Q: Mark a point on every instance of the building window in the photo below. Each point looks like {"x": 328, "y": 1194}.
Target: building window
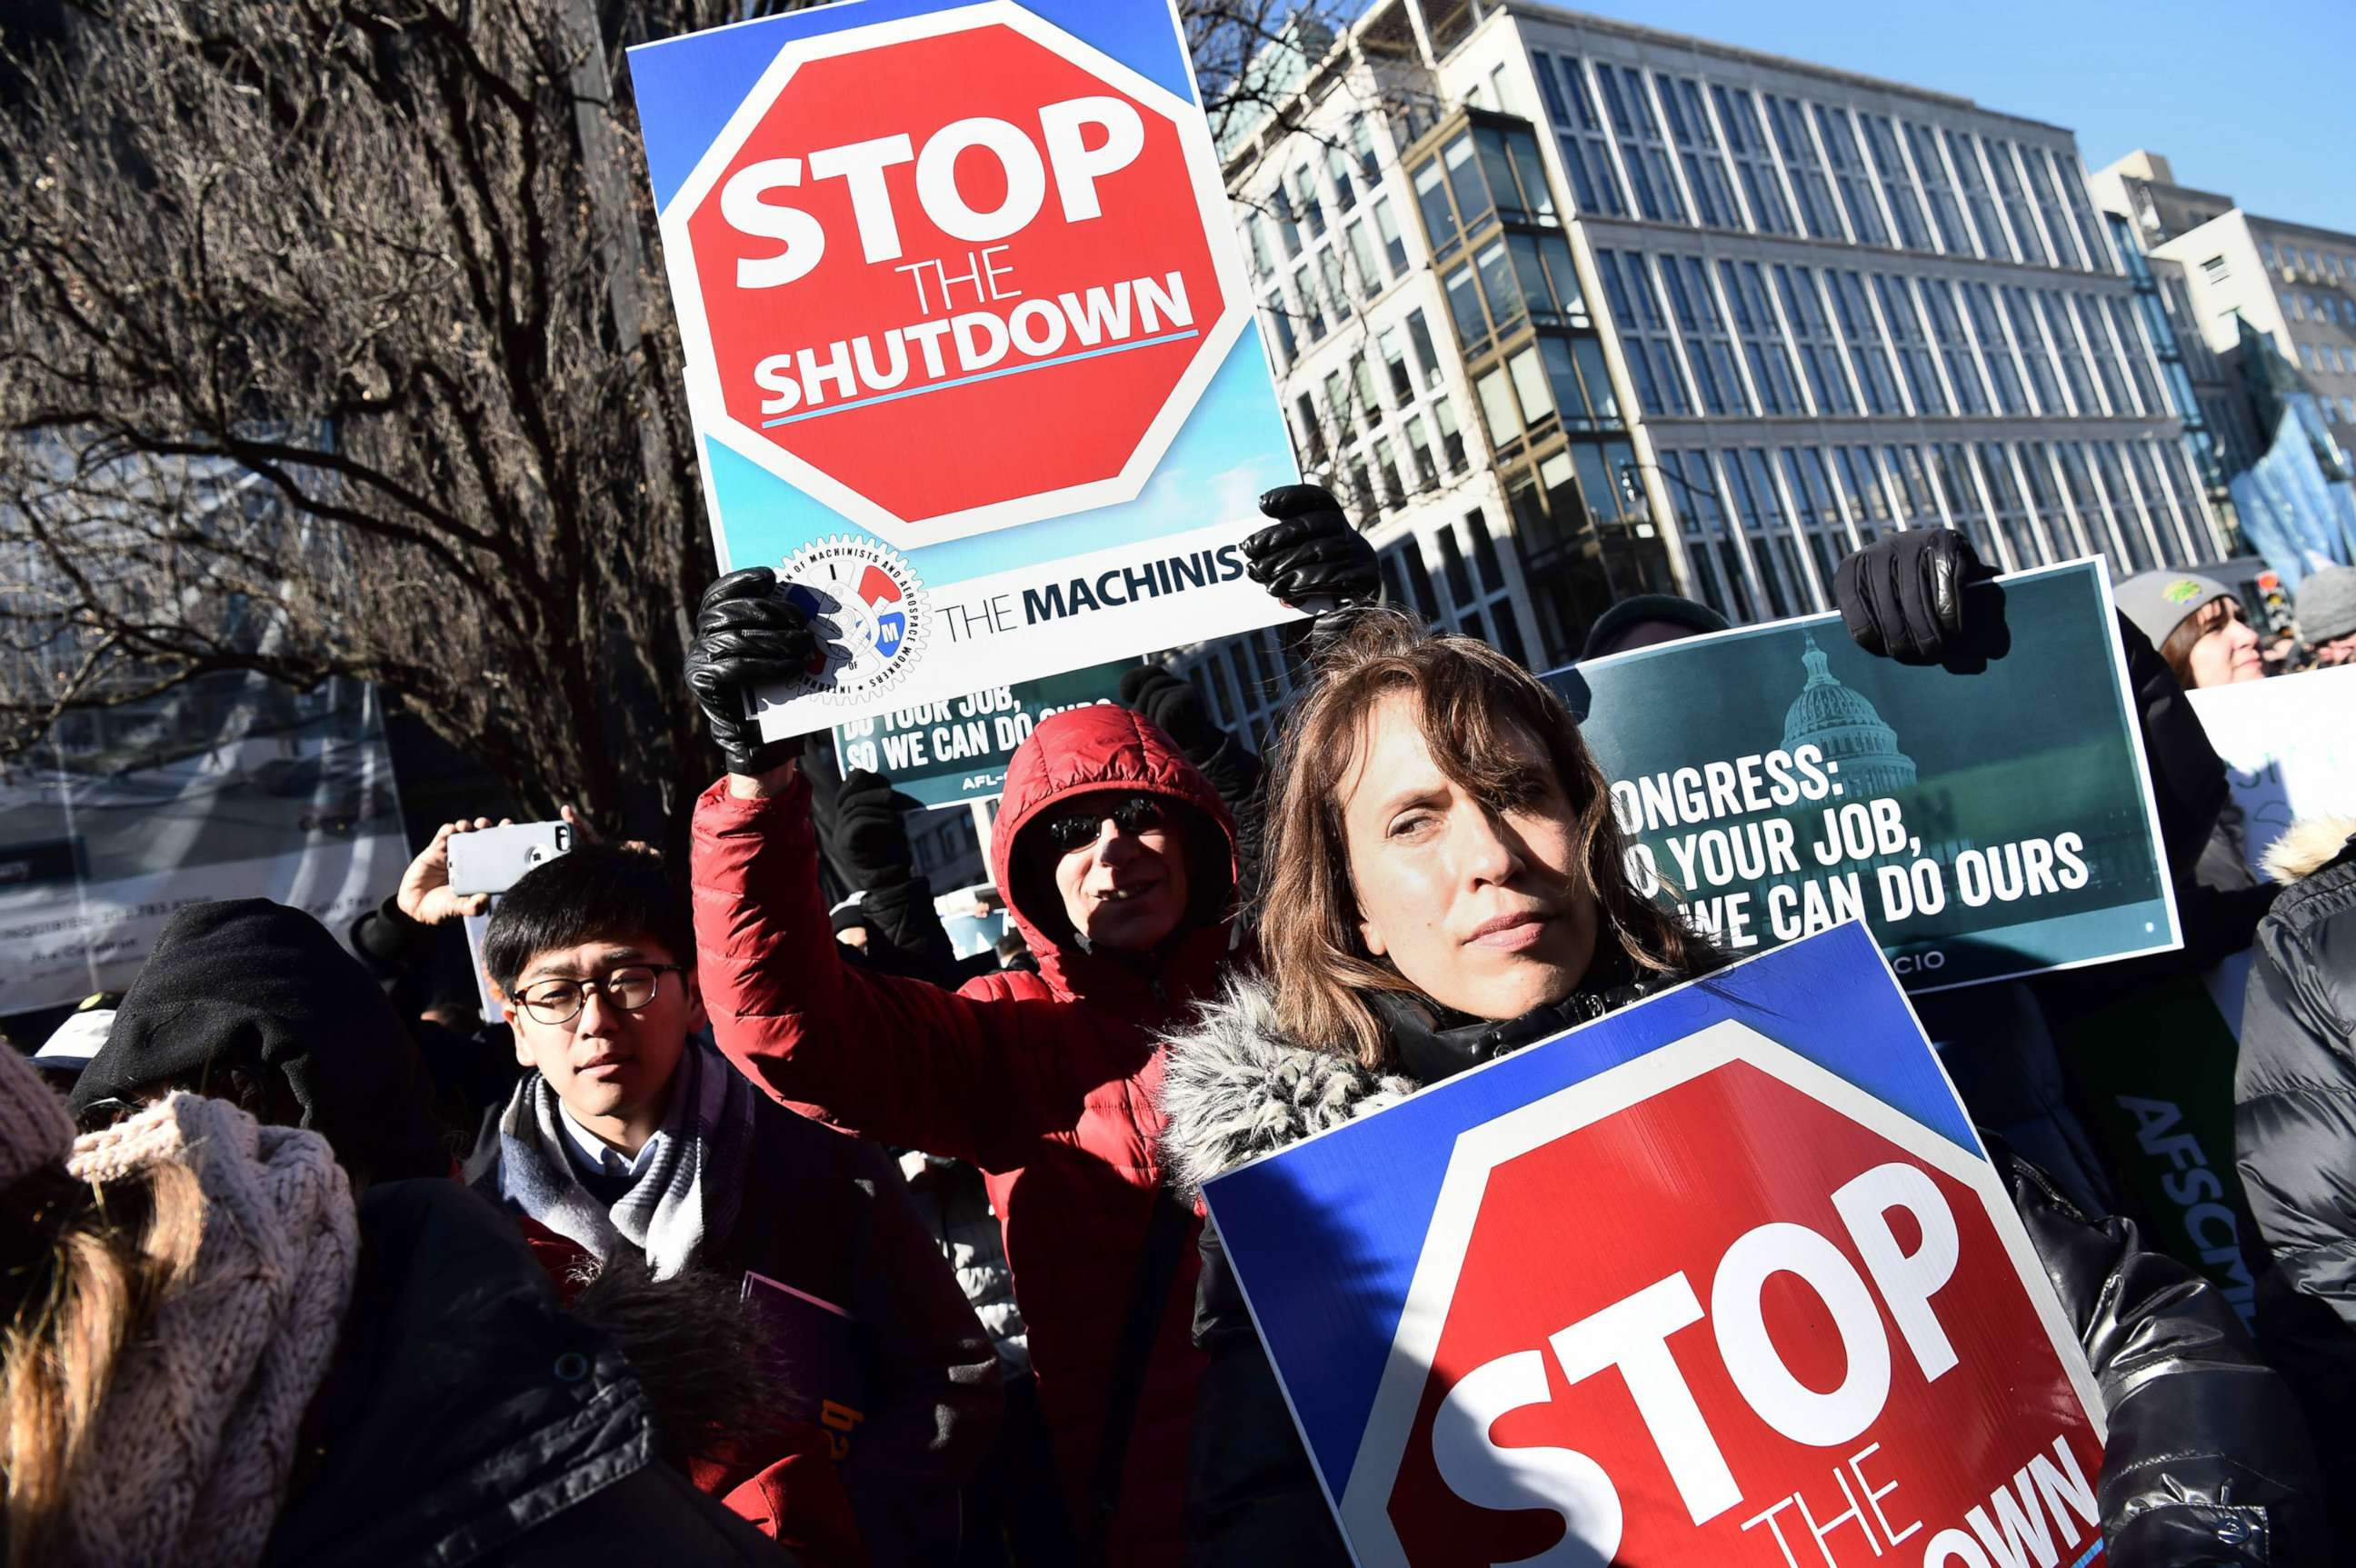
{"x": 1452, "y": 438}
{"x": 1737, "y": 112}
{"x": 1549, "y": 282}
{"x": 1288, "y": 227}
{"x": 1337, "y": 402}
{"x": 1337, "y": 169}
{"x": 1362, "y": 143}
{"x": 1718, "y": 574}
{"x": 1697, "y": 150}
{"x": 1419, "y": 451}
{"x": 1362, "y": 380}
{"x": 1820, "y": 520}
{"x": 2003, "y": 365}
{"x": 1869, "y": 512}
{"x": 2016, "y": 205}
{"x": 1387, "y": 469}
{"x": 2036, "y": 349}
{"x": 1964, "y": 154}
{"x": 1812, "y": 335}
{"x": 1896, "y": 188}
{"x": 1387, "y": 226}
{"x": 1913, "y": 346}
{"x": 1568, "y": 361}
{"x": 1280, "y": 326}
{"x": 1419, "y": 336}
{"x": 1256, "y": 239}
{"x": 1498, "y": 408}
{"x": 2071, "y": 178}
{"x": 2062, "y": 333}
{"x": 1464, "y": 307}
{"x": 1431, "y": 199}
{"x": 2037, "y": 162}
{"x": 1371, "y": 277}
{"x": 1527, "y": 371}
{"x": 1840, "y": 148}
{"x": 1760, "y": 515}
{"x": 2107, "y": 355}
{"x": 1642, "y": 149}
{"x": 1305, "y": 205}
{"x": 1645, "y": 339}
{"x": 1853, "y": 310}
{"x": 1312, "y": 431}
{"x": 1393, "y": 345}
{"x": 1945, "y": 214}
{"x": 1762, "y": 339}
{"x": 1798, "y": 150}
{"x": 1337, "y": 288}
{"x": 1580, "y": 135}
{"x": 1313, "y": 310}
{"x": 2138, "y": 357}
{"x": 1708, "y": 347}
{"x": 1947, "y": 333}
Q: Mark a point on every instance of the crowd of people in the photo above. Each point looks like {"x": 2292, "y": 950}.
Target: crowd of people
{"x": 759, "y": 1227}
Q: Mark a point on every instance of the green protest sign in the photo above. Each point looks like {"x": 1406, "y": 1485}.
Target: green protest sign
{"x": 1775, "y": 781}
{"x": 949, "y": 752}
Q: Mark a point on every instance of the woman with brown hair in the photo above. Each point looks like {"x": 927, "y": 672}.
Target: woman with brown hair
{"x": 1446, "y": 883}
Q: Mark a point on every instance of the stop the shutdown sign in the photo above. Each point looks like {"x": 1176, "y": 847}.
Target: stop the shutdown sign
{"x": 1679, "y": 1290}
{"x": 899, "y": 219}
{"x": 968, "y": 347}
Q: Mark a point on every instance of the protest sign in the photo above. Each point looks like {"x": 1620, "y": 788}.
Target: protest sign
{"x": 1700, "y": 1283}
{"x": 1776, "y": 779}
{"x": 229, "y": 787}
{"x": 954, "y": 751}
{"x": 2289, "y": 745}
{"x": 969, "y": 347}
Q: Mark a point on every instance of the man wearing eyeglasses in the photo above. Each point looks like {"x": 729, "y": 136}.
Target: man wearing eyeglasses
{"x": 1118, "y": 862}
{"x": 629, "y": 1135}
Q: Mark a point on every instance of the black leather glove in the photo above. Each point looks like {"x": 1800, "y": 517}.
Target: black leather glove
{"x": 1903, "y": 597}
{"x": 1311, "y": 557}
{"x": 1176, "y": 707}
{"x": 747, "y": 636}
{"x": 871, "y": 840}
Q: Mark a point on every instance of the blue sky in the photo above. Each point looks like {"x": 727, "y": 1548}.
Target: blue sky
{"x": 2256, "y": 98}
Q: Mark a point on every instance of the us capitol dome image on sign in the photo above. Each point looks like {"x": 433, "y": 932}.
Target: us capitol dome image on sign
{"x": 1842, "y": 724}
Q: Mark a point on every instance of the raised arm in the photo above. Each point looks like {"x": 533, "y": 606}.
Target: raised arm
{"x": 897, "y": 1060}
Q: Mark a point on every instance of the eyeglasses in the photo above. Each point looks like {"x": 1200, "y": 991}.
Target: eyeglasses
{"x": 1078, "y": 827}
{"x": 631, "y": 988}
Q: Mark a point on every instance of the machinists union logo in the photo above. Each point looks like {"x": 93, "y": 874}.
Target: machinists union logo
{"x": 869, "y": 612}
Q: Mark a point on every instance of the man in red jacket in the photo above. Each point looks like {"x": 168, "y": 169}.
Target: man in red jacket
{"x": 1118, "y": 861}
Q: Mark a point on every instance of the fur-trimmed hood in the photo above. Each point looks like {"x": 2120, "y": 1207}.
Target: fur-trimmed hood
{"x": 1237, "y": 1089}
{"x": 2308, "y": 846}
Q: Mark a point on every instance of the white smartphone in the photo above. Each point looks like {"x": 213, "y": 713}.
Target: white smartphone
{"x": 491, "y": 860}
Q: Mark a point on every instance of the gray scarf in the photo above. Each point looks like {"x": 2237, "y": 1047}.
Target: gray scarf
{"x": 688, "y": 1190}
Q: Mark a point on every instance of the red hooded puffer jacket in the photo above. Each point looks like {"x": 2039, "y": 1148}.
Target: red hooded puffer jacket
{"x": 1049, "y": 1083}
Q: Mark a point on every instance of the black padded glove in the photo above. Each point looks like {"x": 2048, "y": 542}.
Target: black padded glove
{"x": 1903, "y": 597}
{"x": 1176, "y": 707}
{"x": 870, "y": 839}
{"x": 1311, "y": 557}
{"x": 747, "y": 636}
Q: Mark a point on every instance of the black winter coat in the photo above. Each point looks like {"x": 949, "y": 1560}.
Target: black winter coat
{"x": 2207, "y": 1463}
{"x": 469, "y": 1419}
{"x": 2295, "y": 1134}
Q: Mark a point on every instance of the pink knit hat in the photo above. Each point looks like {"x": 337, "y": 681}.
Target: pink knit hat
{"x": 35, "y": 1128}
{"x": 195, "y": 1444}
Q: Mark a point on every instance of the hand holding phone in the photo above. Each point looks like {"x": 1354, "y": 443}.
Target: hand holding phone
{"x": 492, "y": 860}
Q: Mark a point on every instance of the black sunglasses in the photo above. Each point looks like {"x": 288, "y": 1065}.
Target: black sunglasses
{"x": 1076, "y": 827}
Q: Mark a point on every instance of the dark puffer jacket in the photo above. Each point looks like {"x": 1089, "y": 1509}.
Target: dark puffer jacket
{"x": 2295, "y": 1133}
{"x": 467, "y": 1419}
{"x": 1047, "y": 1083}
{"x": 2206, "y": 1465}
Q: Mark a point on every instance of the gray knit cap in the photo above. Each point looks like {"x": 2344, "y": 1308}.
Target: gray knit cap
{"x": 2327, "y": 605}
{"x": 35, "y": 1128}
{"x": 2157, "y": 602}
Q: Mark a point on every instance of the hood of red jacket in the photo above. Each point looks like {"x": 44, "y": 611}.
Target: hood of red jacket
{"x": 1076, "y": 752}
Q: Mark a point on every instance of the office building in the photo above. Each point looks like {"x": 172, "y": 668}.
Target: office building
{"x": 2291, "y": 283}
{"x": 1572, "y": 309}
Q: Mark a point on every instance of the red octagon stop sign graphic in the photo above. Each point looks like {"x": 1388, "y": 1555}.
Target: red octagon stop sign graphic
{"x": 955, "y": 273}
{"x": 1825, "y": 1356}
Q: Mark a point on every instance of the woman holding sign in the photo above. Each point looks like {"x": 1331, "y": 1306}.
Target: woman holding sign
{"x": 1445, "y": 886}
